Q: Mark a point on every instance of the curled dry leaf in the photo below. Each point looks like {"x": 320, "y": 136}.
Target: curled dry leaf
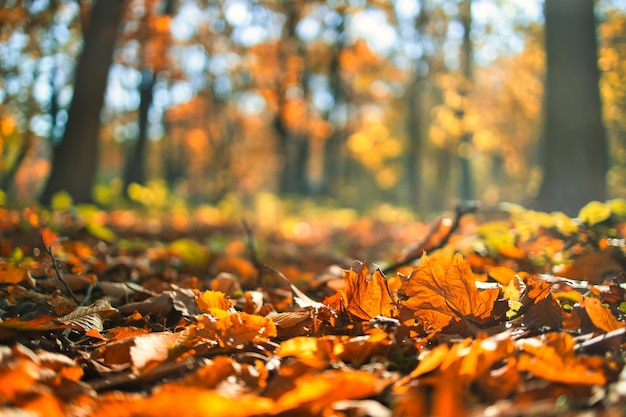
{"x": 182, "y": 401}
{"x": 137, "y": 351}
{"x": 368, "y": 296}
{"x": 208, "y": 300}
{"x": 438, "y": 297}
{"x": 90, "y": 317}
{"x": 601, "y": 316}
{"x": 312, "y": 393}
{"x": 557, "y": 362}
{"x": 11, "y": 273}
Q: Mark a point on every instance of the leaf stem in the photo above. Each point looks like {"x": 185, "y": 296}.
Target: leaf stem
{"x": 461, "y": 210}
{"x": 57, "y": 272}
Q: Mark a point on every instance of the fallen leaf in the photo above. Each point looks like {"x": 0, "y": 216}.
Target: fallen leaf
{"x": 600, "y": 315}
{"x": 314, "y": 392}
{"x": 88, "y": 318}
{"x": 438, "y": 297}
{"x": 368, "y": 296}
{"x": 11, "y": 273}
{"x": 557, "y": 362}
{"x": 212, "y": 299}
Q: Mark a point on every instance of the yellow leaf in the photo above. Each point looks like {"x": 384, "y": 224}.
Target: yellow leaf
{"x": 594, "y": 212}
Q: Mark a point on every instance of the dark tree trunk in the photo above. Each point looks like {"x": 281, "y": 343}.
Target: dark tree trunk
{"x": 293, "y": 146}
{"x": 466, "y": 191}
{"x": 75, "y": 159}
{"x": 415, "y": 143}
{"x": 134, "y": 169}
{"x": 415, "y": 124}
{"x": 334, "y": 155}
{"x": 574, "y": 143}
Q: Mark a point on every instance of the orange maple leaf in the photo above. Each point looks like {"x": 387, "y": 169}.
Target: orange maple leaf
{"x": 368, "y": 296}
{"x": 600, "y": 316}
{"x": 555, "y": 361}
{"x": 11, "y": 274}
{"x": 438, "y": 297}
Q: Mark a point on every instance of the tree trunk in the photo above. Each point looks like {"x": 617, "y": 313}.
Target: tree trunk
{"x": 134, "y": 169}
{"x": 466, "y": 191}
{"x": 574, "y": 142}
{"x": 75, "y": 159}
{"x": 334, "y": 155}
{"x": 293, "y": 146}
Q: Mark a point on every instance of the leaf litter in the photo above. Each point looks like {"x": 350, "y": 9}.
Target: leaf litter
{"x": 522, "y": 315}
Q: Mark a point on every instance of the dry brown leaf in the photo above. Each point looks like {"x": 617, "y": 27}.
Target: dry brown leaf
{"x": 314, "y": 392}
{"x": 182, "y": 401}
{"x": 592, "y": 267}
{"x": 212, "y": 299}
{"x": 138, "y": 351}
{"x": 368, "y": 296}
{"x": 556, "y": 361}
{"x": 600, "y": 315}
{"x": 502, "y": 274}
{"x": 11, "y": 273}
{"x": 438, "y": 297}
{"x": 90, "y": 317}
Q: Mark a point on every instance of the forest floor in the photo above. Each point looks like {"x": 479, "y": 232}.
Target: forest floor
{"x": 196, "y": 312}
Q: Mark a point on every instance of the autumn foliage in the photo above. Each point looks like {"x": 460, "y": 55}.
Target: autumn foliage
{"x": 518, "y": 315}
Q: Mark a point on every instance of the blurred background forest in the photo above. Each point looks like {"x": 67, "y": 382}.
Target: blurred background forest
{"x": 416, "y": 103}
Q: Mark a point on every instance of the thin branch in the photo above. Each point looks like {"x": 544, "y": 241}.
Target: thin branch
{"x": 57, "y": 271}
{"x": 251, "y": 247}
{"x": 461, "y": 210}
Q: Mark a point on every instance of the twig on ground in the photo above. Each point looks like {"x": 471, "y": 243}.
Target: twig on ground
{"x": 251, "y": 247}
{"x": 57, "y": 272}
{"x": 461, "y": 210}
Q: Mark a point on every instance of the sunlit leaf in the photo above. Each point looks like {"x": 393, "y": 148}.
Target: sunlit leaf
{"x": 601, "y": 316}
{"x": 191, "y": 252}
{"x": 61, "y": 201}
{"x": 438, "y": 297}
{"x": 184, "y": 401}
{"x": 212, "y": 299}
{"x": 90, "y": 317}
{"x": 368, "y": 296}
{"x": 501, "y": 274}
{"x": 316, "y": 391}
{"x": 48, "y": 236}
{"x": 618, "y": 207}
{"x": 592, "y": 267}
{"x": 594, "y": 212}
{"x": 11, "y": 273}
{"x": 138, "y": 351}
{"x": 557, "y": 362}
{"x": 101, "y": 232}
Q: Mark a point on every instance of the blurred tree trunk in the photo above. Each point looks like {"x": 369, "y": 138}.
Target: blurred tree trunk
{"x": 466, "y": 191}
{"x": 574, "y": 142}
{"x": 293, "y": 144}
{"x": 174, "y": 159}
{"x": 337, "y": 116}
{"x": 75, "y": 159}
{"x": 415, "y": 119}
{"x": 135, "y": 165}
